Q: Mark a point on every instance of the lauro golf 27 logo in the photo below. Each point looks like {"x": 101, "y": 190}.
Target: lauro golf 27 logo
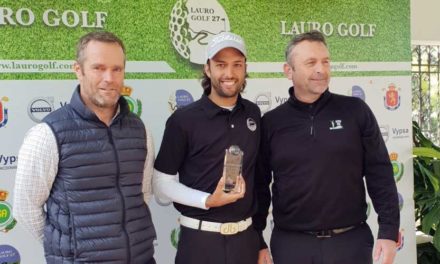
{"x": 192, "y": 25}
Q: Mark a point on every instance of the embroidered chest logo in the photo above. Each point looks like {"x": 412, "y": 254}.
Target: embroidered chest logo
{"x": 251, "y": 124}
{"x": 335, "y": 124}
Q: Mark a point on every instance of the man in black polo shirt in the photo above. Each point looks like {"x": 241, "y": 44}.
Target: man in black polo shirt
{"x": 319, "y": 147}
{"x": 193, "y": 146}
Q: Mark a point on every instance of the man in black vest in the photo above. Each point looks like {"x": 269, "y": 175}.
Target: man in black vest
{"x": 320, "y": 146}
{"x": 90, "y": 164}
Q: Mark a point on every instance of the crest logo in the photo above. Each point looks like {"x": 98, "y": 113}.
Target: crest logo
{"x": 179, "y": 99}
{"x": 7, "y": 221}
{"x": 40, "y": 107}
{"x": 264, "y": 102}
{"x": 3, "y": 111}
{"x": 192, "y": 25}
{"x": 391, "y": 99}
{"x": 135, "y": 105}
{"x": 397, "y": 166}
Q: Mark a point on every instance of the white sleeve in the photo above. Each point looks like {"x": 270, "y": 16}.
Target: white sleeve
{"x": 167, "y": 187}
{"x": 36, "y": 170}
{"x": 148, "y": 169}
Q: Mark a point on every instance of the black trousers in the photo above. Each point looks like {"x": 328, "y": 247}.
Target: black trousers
{"x": 203, "y": 247}
{"x": 352, "y": 247}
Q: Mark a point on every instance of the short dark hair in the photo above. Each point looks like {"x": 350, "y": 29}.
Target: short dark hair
{"x": 101, "y": 36}
{"x": 206, "y": 82}
{"x": 313, "y": 35}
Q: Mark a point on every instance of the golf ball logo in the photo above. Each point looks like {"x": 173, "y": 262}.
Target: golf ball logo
{"x": 192, "y": 25}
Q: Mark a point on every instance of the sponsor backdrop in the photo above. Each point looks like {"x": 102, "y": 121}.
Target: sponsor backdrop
{"x": 165, "y": 40}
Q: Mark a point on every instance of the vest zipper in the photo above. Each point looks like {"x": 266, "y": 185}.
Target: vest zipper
{"x": 118, "y": 172}
{"x": 312, "y": 124}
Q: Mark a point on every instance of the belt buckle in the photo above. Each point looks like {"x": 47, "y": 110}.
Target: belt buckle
{"x": 324, "y": 234}
{"x": 229, "y": 228}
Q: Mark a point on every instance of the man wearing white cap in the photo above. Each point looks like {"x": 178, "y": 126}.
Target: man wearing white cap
{"x": 216, "y": 226}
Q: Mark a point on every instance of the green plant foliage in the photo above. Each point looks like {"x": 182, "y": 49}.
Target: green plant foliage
{"x": 427, "y": 194}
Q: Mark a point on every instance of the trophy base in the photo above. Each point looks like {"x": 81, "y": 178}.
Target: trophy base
{"x": 228, "y": 187}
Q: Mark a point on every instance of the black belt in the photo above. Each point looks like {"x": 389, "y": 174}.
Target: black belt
{"x": 331, "y": 232}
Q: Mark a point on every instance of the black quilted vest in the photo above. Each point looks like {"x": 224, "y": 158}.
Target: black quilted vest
{"x": 96, "y": 211}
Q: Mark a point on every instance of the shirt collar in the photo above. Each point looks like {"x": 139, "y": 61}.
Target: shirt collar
{"x": 211, "y": 109}
{"x": 293, "y": 101}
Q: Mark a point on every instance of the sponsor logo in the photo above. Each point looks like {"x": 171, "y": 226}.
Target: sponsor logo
{"x": 135, "y": 105}
{"x": 3, "y": 111}
{"x": 397, "y": 166}
{"x": 9, "y": 255}
{"x": 251, "y": 124}
{"x": 175, "y": 234}
{"x": 7, "y": 221}
{"x": 40, "y": 107}
{"x": 264, "y": 102}
{"x": 368, "y": 209}
{"x": 400, "y": 201}
{"x": 63, "y": 104}
{"x": 391, "y": 99}
{"x": 385, "y": 131}
{"x": 178, "y": 99}
{"x": 336, "y": 124}
{"x": 193, "y": 24}
{"x": 357, "y": 91}
{"x": 280, "y": 100}
{"x": 400, "y": 132}
{"x": 401, "y": 239}
{"x": 8, "y": 162}
{"x": 162, "y": 203}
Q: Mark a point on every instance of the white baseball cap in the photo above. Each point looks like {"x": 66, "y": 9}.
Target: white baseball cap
{"x": 225, "y": 40}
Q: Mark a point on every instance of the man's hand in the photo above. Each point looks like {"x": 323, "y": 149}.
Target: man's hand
{"x": 219, "y": 197}
{"x": 387, "y": 248}
{"x": 264, "y": 256}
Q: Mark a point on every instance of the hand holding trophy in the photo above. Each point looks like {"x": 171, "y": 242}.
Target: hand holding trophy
{"x": 231, "y": 186}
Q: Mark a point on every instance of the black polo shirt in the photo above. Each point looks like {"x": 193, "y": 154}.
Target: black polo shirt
{"x": 194, "y": 144}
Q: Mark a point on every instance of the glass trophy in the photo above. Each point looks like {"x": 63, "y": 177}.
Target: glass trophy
{"x": 232, "y": 167}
